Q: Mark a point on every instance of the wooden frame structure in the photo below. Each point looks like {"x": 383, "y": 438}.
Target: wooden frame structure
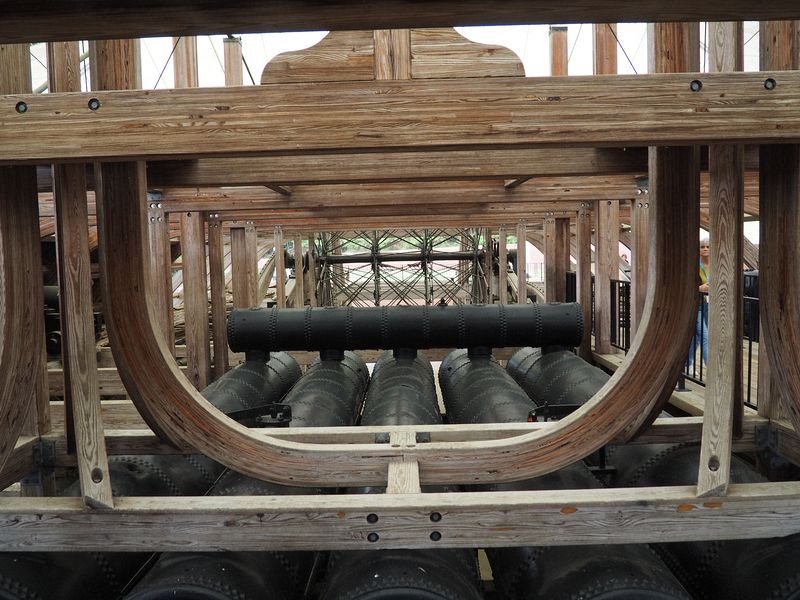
{"x": 400, "y": 121}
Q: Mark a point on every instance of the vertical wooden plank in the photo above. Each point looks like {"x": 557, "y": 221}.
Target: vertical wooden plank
{"x": 502, "y": 260}
{"x": 216, "y": 275}
{"x": 778, "y": 49}
{"x": 556, "y": 257}
{"x": 522, "y": 267}
{"x": 488, "y": 260}
{"x": 605, "y": 48}
{"x": 195, "y": 298}
{"x": 559, "y": 56}
{"x": 160, "y": 270}
{"x": 312, "y": 272}
{"x": 299, "y": 287}
{"x": 232, "y": 50}
{"x": 81, "y": 390}
{"x": 673, "y": 48}
{"x": 244, "y": 265}
{"x": 392, "y": 54}
{"x": 115, "y": 64}
{"x": 606, "y": 269}
{"x": 184, "y": 61}
{"x": 726, "y": 203}
{"x": 607, "y": 211}
{"x": 280, "y": 269}
{"x": 563, "y": 254}
{"x": 23, "y": 391}
{"x": 583, "y": 277}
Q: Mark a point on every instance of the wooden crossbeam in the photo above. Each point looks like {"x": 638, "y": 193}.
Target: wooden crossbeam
{"x": 50, "y": 20}
{"x": 407, "y": 115}
{"x": 398, "y": 166}
{"x": 323, "y": 522}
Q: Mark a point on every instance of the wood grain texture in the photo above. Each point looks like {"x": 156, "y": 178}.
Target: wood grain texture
{"x": 21, "y": 320}
{"x": 195, "y": 298}
{"x": 219, "y": 316}
{"x": 397, "y": 166}
{"x": 559, "y": 52}
{"x": 404, "y": 115}
{"x": 340, "y": 56}
{"x": 502, "y": 261}
{"x": 280, "y": 269}
{"x": 605, "y": 48}
{"x": 583, "y": 277}
{"x": 392, "y": 54}
{"x": 184, "y": 62}
{"x": 115, "y": 64}
{"x": 724, "y": 378}
{"x": 244, "y": 264}
{"x": 48, "y": 20}
{"x": 232, "y": 53}
{"x": 160, "y": 269}
{"x": 560, "y": 517}
{"x": 21, "y": 461}
{"x": 522, "y": 266}
{"x": 313, "y": 282}
{"x": 606, "y": 269}
{"x": 299, "y": 286}
{"x": 446, "y": 53}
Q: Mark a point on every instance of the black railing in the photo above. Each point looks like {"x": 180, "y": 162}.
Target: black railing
{"x": 621, "y": 314}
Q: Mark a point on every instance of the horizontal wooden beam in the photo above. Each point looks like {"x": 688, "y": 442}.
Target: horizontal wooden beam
{"x": 398, "y": 166}
{"x": 486, "y": 519}
{"x": 373, "y": 116}
{"x": 54, "y": 20}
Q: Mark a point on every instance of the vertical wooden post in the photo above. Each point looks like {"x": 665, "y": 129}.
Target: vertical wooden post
{"x": 216, "y": 275}
{"x": 195, "y": 298}
{"x": 23, "y": 390}
{"x": 81, "y": 390}
{"x": 502, "y": 260}
{"x": 244, "y": 265}
{"x": 726, "y": 201}
{"x": 583, "y": 276}
{"x": 160, "y": 266}
{"x": 607, "y": 211}
{"x": 184, "y": 61}
{"x": 778, "y": 41}
{"x": 522, "y": 266}
{"x": 488, "y": 264}
{"x": 115, "y": 64}
{"x": 280, "y": 269}
{"x": 299, "y": 287}
{"x": 673, "y": 48}
{"x": 312, "y": 272}
{"x": 556, "y": 258}
{"x": 392, "y": 53}
{"x": 559, "y": 56}
{"x": 232, "y": 49}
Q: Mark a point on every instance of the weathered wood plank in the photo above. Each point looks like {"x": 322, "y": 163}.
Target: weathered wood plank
{"x": 443, "y": 52}
{"x": 22, "y": 363}
{"x": 605, "y": 48}
{"x": 324, "y": 522}
{"x": 559, "y": 52}
{"x": 583, "y": 277}
{"x": 522, "y": 267}
{"x": 184, "y": 61}
{"x": 48, "y": 20}
{"x": 616, "y": 110}
{"x": 502, "y": 260}
{"x": 219, "y": 317}
{"x": 606, "y": 269}
{"x": 724, "y": 379}
{"x": 244, "y": 264}
{"x": 232, "y": 52}
{"x": 20, "y": 462}
{"x": 195, "y": 298}
{"x": 397, "y": 166}
{"x": 280, "y": 269}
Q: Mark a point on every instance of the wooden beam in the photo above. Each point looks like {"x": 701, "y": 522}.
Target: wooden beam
{"x": 232, "y": 50}
{"x": 184, "y": 62}
{"x": 583, "y": 277}
{"x": 502, "y": 260}
{"x": 559, "y": 52}
{"x": 160, "y": 269}
{"x": 392, "y": 54}
{"x": 22, "y": 355}
{"x": 724, "y": 380}
{"x": 219, "y": 318}
{"x": 323, "y": 522}
{"x": 244, "y": 263}
{"x": 397, "y": 166}
{"x": 81, "y": 397}
{"x": 195, "y": 298}
{"x": 556, "y": 245}
{"x": 605, "y": 48}
{"x": 522, "y": 266}
{"x": 606, "y": 269}
{"x": 299, "y": 287}
{"x": 312, "y": 271}
{"x": 48, "y": 20}
{"x": 280, "y": 269}
{"x": 283, "y": 191}
{"x": 621, "y": 110}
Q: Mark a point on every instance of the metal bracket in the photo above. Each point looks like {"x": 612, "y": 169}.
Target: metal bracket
{"x": 766, "y": 437}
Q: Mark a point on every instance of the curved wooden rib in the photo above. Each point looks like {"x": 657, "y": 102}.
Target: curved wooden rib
{"x": 780, "y": 271}
{"x": 180, "y": 414}
{"x": 21, "y": 333}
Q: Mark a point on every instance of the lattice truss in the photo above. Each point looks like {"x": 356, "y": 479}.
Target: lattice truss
{"x": 402, "y": 267}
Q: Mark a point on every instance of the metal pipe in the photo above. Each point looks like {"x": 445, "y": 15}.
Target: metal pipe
{"x": 353, "y": 328}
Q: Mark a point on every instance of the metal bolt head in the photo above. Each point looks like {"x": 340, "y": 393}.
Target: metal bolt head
{"x": 21, "y": 107}
{"x": 93, "y": 104}
{"x": 770, "y": 84}
{"x": 373, "y": 537}
{"x": 435, "y": 536}
{"x": 372, "y": 518}
{"x": 696, "y": 85}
